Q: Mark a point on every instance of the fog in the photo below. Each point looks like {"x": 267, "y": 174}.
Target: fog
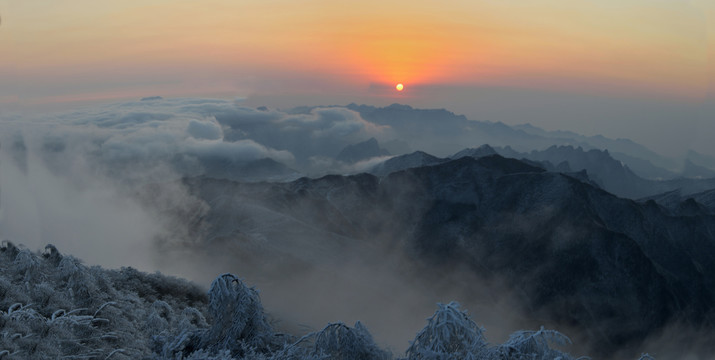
{"x": 102, "y": 184}
{"x": 105, "y": 185}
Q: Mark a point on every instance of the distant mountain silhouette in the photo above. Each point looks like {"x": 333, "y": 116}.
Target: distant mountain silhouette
{"x": 610, "y": 174}
{"x": 678, "y": 204}
{"x": 443, "y": 133}
{"x": 361, "y": 151}
{"x": 402, "y": 162}
{"x": 644, "y": 168}
{"x": 482, "y": 151}
{"x": 703, "y": 160}
{"x": 622, "y": 149}
{"x": 691, "y": 170}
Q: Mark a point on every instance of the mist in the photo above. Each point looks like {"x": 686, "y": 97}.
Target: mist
{"x": 66, "y": 199}
{"x": 104, "y": 185}
{"x": 76, "y": 210}
{"x": 136, "y": 184}
{"x": 542, "y": 167}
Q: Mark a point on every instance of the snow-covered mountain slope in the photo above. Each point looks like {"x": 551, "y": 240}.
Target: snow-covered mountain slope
{"x": 576, "y": 254}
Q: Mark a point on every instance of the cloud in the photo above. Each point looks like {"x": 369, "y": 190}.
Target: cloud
{"x": 331, "y": 121}
{"x": 84, "y": 213}
{"x": 306, "y": 133}
{"x": 208, "y": 130}
{"x": 167, "y": 128}
{"x": 236, "y": 151}
{"x": 68, "y": 178}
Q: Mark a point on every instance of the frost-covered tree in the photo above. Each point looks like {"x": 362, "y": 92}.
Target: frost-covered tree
{"x": 449, "y": 334}
{"x": 341, "y": 342}
{"x": 532, "y": 345}
{"x": 54, "y": 307}
{"x": 238, "y": 318}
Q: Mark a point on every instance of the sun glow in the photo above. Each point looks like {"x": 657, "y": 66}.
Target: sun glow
{"x": 399, "y": 87}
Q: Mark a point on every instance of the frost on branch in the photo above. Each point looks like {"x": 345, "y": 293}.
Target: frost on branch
{"x": 338, "y": 341}
{"x": 237, "y": 316}
{"x": 53, "y": 307}
{"x": 449, "y": 334}
{"x": 533, "y": 345}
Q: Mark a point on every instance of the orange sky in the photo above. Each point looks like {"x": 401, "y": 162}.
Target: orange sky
{"x": 71, "y": 49}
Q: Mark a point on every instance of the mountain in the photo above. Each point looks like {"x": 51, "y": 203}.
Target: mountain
{"x": 361, "y": 151}
{"x": 402, "y": 162}
{"x": 679, "y": 204}
{"x": 443, "y": 133}
{"x": 707, "y": 199}
{"x": 578, "y": 256}
{"x": 526, "y": 137}
{"x": 610, "y": 174}
{"x": 482, "y": 151}
{"x": 644, "y": 168}
{"x": 703, "y": 160}
{"x": 617, "y": 147}
{"x": 691, "y": 170}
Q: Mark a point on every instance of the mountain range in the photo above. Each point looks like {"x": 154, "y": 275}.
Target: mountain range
{"x": 578, "y": 256}
{"x": 600, "y": 168}
{"x": 600, "y": 238}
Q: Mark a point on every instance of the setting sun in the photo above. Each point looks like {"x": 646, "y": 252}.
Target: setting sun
{"x": 399, "y": 87}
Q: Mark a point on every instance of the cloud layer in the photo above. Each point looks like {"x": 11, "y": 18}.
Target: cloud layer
{"x": 72, "y": 178}
{"x": 180, "y": 131}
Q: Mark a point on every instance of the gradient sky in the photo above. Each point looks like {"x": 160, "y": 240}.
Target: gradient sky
{"x": 548, "y": 62}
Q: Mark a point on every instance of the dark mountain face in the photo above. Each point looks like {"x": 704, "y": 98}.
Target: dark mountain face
{"x": 676, "y": 202}
{"x": 579, "y": 257}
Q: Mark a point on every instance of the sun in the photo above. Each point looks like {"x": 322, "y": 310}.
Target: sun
{"x": 399, "y": 87}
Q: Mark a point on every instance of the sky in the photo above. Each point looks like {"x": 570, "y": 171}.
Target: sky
{"x": 638, "y": 69}
{"x": 611, "y": 67}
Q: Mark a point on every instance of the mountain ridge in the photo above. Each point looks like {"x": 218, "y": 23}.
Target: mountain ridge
{"x": 531, "y": 228}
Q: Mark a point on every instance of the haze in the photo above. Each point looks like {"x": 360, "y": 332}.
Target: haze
{"x": 631, "y": 69}
{"x": 192, "y": 138}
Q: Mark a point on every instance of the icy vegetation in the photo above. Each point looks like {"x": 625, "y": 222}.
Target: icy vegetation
{"x": 54, "y": 307}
